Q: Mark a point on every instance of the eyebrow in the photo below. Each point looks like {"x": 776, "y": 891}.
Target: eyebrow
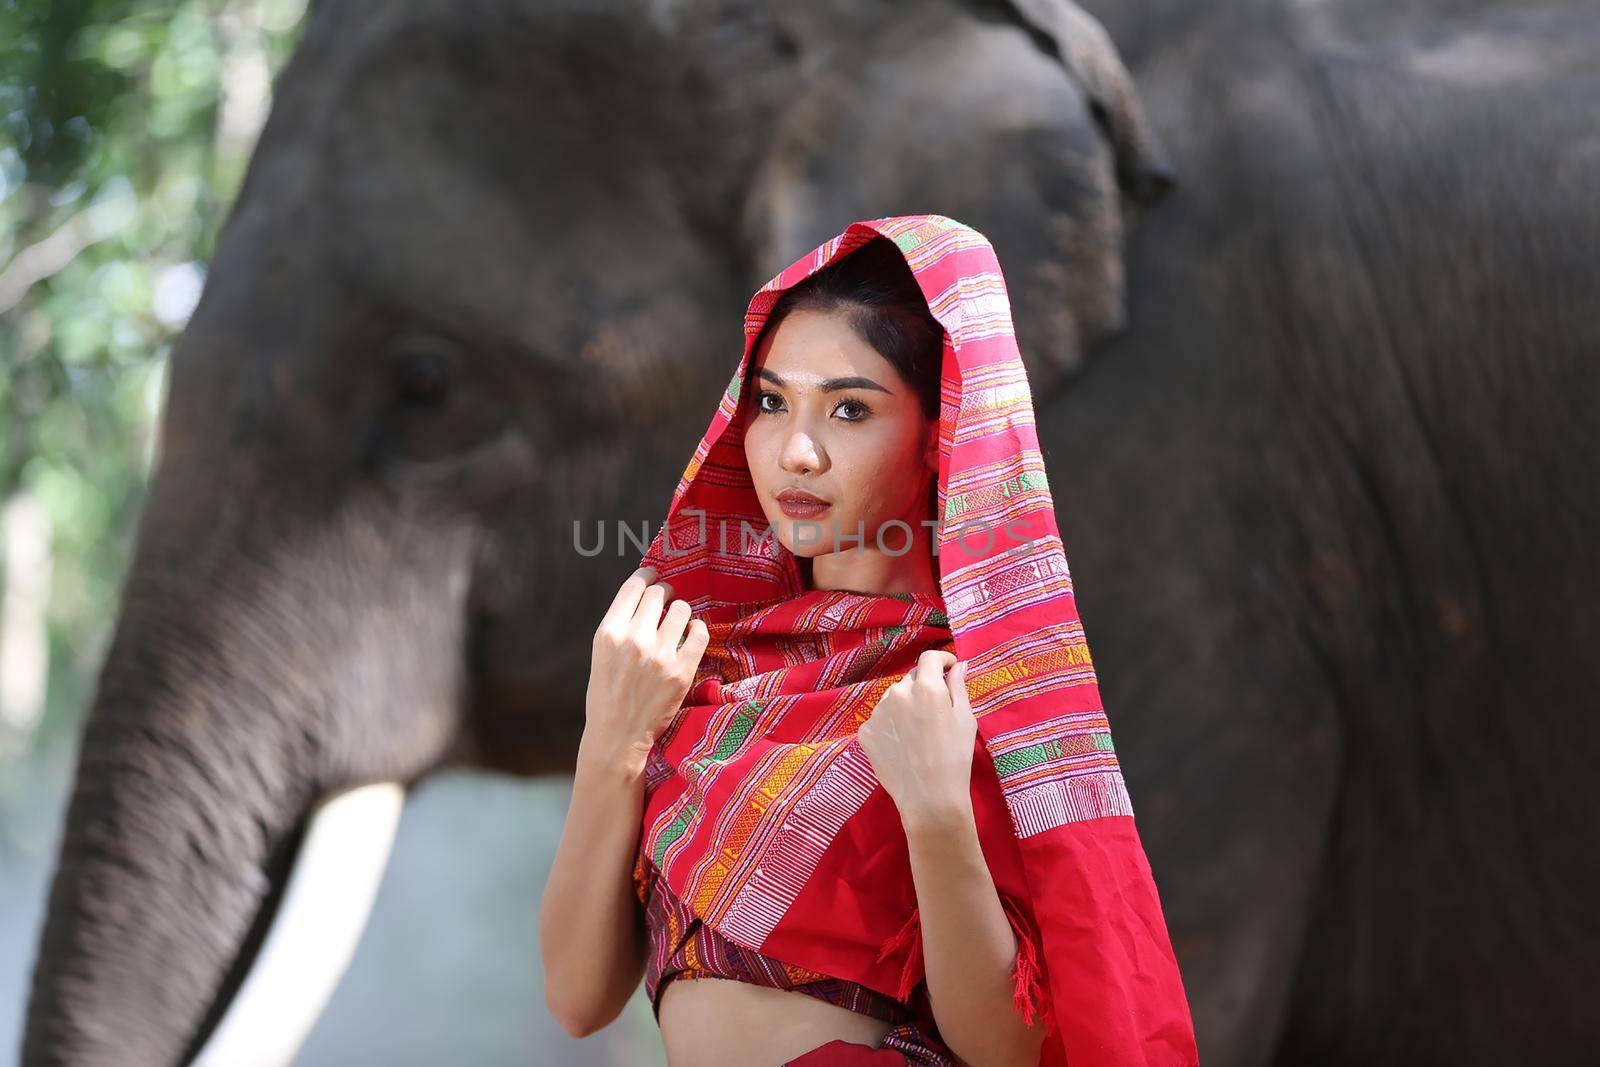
{"x": 831, "y": 385}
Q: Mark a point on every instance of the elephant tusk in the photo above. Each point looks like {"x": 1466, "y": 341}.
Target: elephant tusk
{"x": 325, "y": 907}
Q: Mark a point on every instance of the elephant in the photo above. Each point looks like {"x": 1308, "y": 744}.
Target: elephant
{"x": 1356, "y": 578}
{"x": 1335, "y": 560}
{"x": 483, "y": 277}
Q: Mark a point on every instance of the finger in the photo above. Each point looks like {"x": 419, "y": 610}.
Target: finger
{"x": 647, "y": 615}
{"x": 673, "y": 623}
{"x": 957, "y": 680}
{"x": 930, "y": 670}
{"x": 627, "y": 597}
{"x": 692, "y": 645}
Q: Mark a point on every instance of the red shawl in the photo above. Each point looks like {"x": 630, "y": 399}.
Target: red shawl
{"x": 762, "y": 811}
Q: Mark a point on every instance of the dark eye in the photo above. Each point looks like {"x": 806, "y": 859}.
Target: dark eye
{"x": 855, "y": 405}
{"x": 420, "y": 377}
{"x": 421, "y": 381}
{"x": 761, "y": 399}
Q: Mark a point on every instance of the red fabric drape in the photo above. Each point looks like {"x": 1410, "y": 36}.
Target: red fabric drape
{"x": 762, "y": 810}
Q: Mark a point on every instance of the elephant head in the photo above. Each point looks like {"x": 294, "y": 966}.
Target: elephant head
{"x": 1017, "y": 118}
{"x": 483, "y": 279}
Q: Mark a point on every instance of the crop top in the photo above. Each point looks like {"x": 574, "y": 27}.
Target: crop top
{"x": 681, "y": 946}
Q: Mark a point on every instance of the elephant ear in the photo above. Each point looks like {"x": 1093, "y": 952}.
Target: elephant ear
{"x": 965, "y": 108}
{"x": 1091, "y": 58}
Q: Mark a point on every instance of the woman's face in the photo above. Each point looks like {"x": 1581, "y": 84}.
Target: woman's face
{"x": 826, "y": 413}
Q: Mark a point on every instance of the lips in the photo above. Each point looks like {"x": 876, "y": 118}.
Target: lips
{"x": 799, "y": 504}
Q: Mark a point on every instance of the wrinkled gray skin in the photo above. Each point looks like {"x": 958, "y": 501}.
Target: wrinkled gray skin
{"x": 1329, "y": 498}
{"x": 1333, "y": 506}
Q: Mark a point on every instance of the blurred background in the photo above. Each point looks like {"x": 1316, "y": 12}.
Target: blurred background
{"x": 125, "y": 129}
{"x": 324, "y": 325}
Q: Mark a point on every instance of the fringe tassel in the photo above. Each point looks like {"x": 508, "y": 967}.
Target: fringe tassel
{"x": 1029, "y": 987}
{"x": 910, "y": 933}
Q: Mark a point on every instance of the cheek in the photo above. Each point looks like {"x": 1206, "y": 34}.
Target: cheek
{"x": 883, "y": 478}
{"x": 755, "y": 455}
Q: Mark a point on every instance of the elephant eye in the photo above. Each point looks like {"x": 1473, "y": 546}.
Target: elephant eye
{"x": 422, "y": 382}
{"x": 420, "y": 370}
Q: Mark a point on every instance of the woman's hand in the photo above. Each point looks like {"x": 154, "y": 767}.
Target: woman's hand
{"x": 639, "y": 672}
{"x": 920, "y": 738}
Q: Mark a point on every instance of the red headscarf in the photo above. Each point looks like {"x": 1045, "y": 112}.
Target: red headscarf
{"x": 762, "y": 811}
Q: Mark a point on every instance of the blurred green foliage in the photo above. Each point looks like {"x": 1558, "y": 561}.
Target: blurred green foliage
{"x": 125, "y": 129}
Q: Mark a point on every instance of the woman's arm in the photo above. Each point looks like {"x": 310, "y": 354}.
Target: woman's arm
{"x": 591, "y": 928}
{"x": 968, "y": 948}
{"x": 921, "y": 738}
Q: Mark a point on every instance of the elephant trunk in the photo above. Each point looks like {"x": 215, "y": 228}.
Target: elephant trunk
{"x": 176, "y": 835}
{"x": 243, "y": 688}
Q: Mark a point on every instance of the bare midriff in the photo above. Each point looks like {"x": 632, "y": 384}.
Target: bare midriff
{"x": 720, "y": 1022}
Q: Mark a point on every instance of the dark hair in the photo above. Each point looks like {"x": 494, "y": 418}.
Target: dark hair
{"x": 883, "y": 303}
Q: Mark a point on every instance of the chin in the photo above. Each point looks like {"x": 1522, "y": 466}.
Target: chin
{"x": 785, "y": 536}
{"x": 783, "y": 533}
{"x": 824, "y": 546}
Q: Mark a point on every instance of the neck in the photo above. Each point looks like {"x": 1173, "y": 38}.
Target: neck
{"x": 874, "y": 572}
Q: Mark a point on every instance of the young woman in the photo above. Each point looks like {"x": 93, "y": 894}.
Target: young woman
{"x": 778, "y": 816}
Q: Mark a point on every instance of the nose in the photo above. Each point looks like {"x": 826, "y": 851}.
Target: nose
{"x": 801, "y": 454}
